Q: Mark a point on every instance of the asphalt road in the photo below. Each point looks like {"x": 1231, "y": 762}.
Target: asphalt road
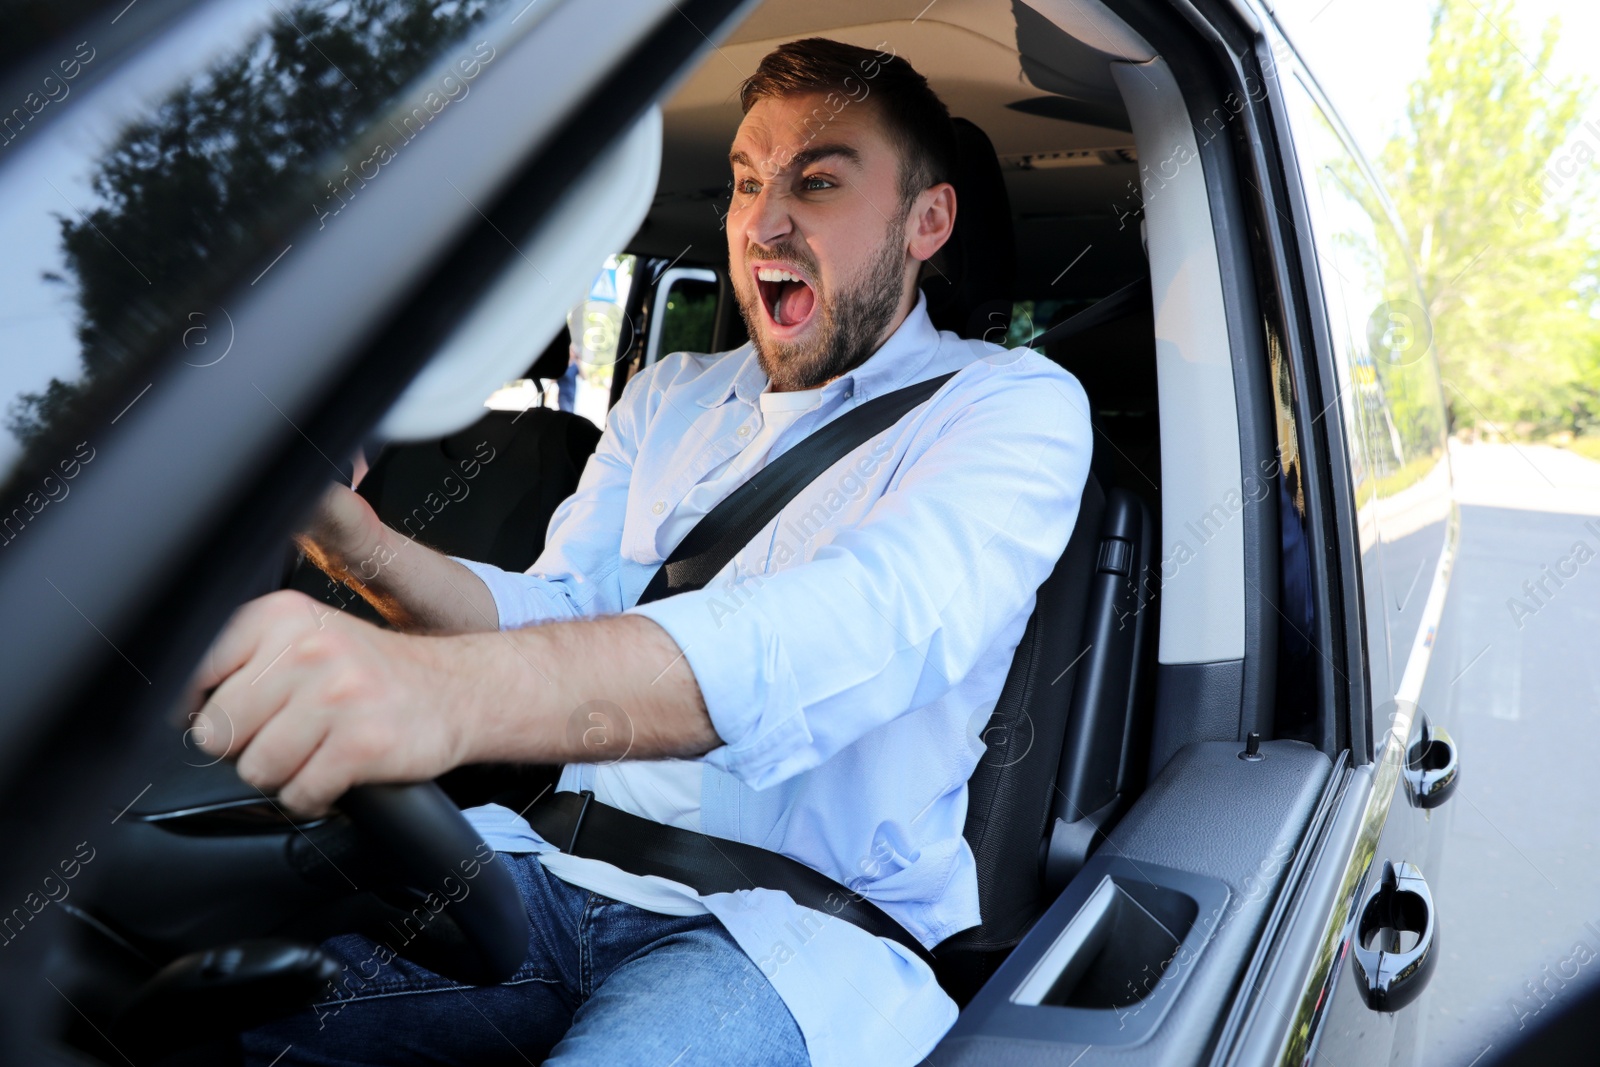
{"x": 1518, "y": 889}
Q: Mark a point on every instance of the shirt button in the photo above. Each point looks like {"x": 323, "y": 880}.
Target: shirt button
{"x": 744, "y": 431}
{"x": 659, "y": 506}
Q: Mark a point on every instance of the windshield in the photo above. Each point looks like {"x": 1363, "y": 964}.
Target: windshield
{"x": 136, "y": 196}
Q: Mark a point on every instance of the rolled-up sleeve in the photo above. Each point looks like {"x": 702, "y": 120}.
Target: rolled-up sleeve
{"x": 886, "y": 616}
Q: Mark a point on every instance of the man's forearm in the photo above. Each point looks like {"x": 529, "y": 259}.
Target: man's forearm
{"x": 587, "y": 691}
{"x": 415, "y": 588}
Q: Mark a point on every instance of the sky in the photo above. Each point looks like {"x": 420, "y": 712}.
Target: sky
{"x": 1366, "y": 53}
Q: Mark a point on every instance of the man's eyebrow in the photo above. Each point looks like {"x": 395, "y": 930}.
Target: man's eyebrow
{"x": 805, "y": 157}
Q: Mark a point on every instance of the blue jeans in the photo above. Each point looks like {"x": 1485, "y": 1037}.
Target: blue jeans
{"x": 605, "y": 983}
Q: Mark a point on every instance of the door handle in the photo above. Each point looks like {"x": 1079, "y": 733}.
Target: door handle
{"x": 1433, "y": 766}
{"x": 1391, "y": 977}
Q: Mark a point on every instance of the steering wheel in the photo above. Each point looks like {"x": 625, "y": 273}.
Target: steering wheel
{"x": 442, "y": 859}
{"x": 202, "y": 859}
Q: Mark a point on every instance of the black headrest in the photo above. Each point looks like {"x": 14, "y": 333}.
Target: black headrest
{"x": 971, "y": 281}
{"x": 552, "y": 362}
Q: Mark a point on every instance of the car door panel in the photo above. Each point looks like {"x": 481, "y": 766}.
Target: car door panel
{"x": 1355, "y": 1024}
{"x": 1210, "y": 1011}
{"x": 1206, "y": 851}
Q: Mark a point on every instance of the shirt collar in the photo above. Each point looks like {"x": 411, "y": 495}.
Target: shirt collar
{"x": 896, "y": 362}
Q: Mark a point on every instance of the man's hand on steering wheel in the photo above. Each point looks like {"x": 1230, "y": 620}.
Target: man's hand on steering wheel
{"x": 310, "y": 701}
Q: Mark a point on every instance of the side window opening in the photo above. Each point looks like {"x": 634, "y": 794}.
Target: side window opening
{"x": 1296, "y": 698}
{"x": 575, "y": 371}
{"x": 689, "y": 318}
{"x": 685, "y": 316}
{"x": 1388, "y": 385}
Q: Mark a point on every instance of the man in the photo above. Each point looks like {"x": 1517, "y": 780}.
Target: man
{"x": 822, "y": 698}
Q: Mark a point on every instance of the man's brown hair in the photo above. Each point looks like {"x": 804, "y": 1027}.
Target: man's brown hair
{"x": 916, "y": 120}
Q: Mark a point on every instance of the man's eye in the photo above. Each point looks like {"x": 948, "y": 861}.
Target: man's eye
{"x": 749, "y": 186}
{"x": 813, "y": 184}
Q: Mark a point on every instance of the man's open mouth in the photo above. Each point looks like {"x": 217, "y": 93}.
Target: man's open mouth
{"x": 788, "y": 298}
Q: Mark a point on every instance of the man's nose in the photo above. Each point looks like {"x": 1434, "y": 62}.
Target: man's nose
{"x": 769, "y": 216}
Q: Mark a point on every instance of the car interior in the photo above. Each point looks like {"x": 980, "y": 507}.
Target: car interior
{"x": 1081, "y": 680}
{"x": 1144, "y": 666}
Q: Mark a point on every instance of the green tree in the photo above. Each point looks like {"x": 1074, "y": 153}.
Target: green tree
{"x": 1493, "y": 177}
{"x": 192, "y": 191}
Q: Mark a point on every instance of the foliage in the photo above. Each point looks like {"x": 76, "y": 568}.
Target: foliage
{"x": 1588, "y": 447}
{"x": 1493, "y": 178}
{"x": 1030, "y": 318}
{"x": 689, "y": 322}
{"x": 221, "y": 168}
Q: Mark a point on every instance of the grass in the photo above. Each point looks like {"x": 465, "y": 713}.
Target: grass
{"x": 1587, "y": 447}
{"x": 1414, "y": 471}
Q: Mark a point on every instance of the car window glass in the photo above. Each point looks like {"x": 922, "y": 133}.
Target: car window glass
{"x": 1389, "y": 389}
{"x": 596, "y": 335}
{"x": 1390, "y": 336}
{"x": 689, "y": 317}
{"x": 601, "y": 335}
{"x": 128, "y": 216}
{"x": 1343, "y": 240}
{"x": 1029, "y": 319}
{"x": 35, "y": 24}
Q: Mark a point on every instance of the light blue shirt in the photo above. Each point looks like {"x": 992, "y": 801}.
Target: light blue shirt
{"x": 849, "y": 656}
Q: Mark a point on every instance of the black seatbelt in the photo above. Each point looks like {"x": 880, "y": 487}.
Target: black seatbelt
{"x": 580, "y": 825}
{"x": 731, "y": 525}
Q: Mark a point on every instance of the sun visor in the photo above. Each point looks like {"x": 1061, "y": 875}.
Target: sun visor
{"x": 519, "y": 316}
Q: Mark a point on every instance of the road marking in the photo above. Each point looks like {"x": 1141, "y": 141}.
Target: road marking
{"x": 1505, "y": 689}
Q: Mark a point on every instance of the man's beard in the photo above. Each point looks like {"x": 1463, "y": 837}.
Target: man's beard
{"x": 849, "y": 325}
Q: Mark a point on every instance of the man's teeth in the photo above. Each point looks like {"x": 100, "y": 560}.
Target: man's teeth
{"x": 773, "y": 274}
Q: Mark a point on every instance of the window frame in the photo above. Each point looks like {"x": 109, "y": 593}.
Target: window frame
{"x": 658, "y": 304}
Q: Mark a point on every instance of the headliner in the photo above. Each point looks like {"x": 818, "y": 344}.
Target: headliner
{"x": 984, "y": 58}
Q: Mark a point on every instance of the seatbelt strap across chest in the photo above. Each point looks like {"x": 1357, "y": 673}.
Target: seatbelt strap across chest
{"x": 732, "y": 524}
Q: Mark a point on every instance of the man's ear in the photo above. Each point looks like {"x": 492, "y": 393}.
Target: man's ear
{"x": 932, "y": 220}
